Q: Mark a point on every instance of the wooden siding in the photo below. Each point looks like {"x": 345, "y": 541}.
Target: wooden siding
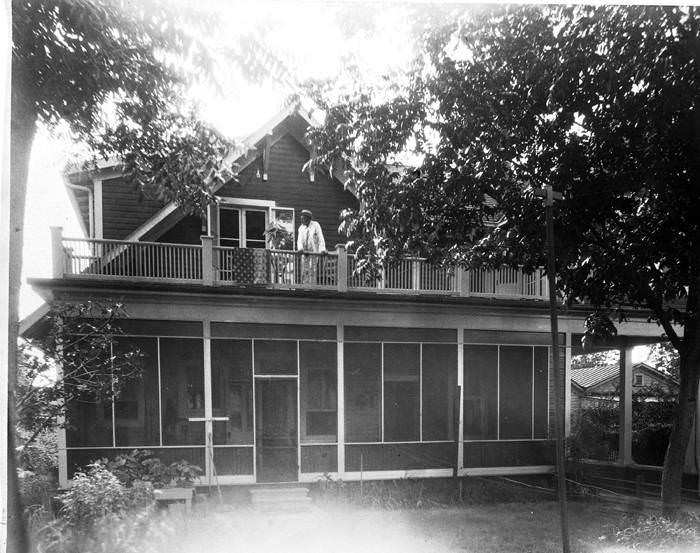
{"x": 124, "y": 208}
{"x": 508, "y": 454}
{"x": 186, "y": 231}
{"x": 290, "y": 187}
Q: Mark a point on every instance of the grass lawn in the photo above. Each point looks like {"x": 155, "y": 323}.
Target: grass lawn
{"x": 500, "y": 527}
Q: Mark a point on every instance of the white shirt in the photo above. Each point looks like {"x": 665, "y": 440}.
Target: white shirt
{"x": 310, "y": 238}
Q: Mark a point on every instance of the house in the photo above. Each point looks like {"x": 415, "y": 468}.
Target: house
{"x": 601, "y": 383}
{"x": 259, "y": 375}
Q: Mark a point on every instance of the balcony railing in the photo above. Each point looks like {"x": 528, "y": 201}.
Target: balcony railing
{"x": 218, "y": 266}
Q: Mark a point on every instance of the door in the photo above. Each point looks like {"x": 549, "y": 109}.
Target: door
{"x": 276, "y": 430}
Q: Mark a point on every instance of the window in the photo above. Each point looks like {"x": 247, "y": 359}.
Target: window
{"x": 515, "y": 412}
{"x": 439, "y": 389}
{"x": 182, "y": 395}
{"x": 363, "y": 382}
{"x": 506, "y": 391}
{"x": 639, "y": 379}
{"x": 401, "y": 392}
{"x": 275, "y": 357}
{"x": 480, "y": 392}
{"x": 318, "y": 389}
{"x": 242, "y": 227}
{"x": 232, "y": 391}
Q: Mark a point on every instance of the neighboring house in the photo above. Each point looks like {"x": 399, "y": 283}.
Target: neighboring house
{"x": 601, "y": 383}
{"x": 258, "y": 376}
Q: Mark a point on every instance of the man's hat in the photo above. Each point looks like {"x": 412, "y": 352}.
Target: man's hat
{"x": 307, "y": 213}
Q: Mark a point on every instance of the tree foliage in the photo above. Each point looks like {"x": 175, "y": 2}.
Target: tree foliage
{"x": 599, "y": 102}
{"x": 83, "y": 357}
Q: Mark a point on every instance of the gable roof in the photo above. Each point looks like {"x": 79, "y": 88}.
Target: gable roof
{"x": 241, "y": 157}
{"x": 588, "y": 377}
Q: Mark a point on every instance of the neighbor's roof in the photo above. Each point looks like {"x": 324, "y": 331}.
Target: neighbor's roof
{"x": 590, "y": 376}
{"x": 587, "y": 377}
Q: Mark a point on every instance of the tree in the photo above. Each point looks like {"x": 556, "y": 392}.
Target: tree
{"x": 599, "y": 102}
{"x": 117, "y": 73}
{"x": 81, "y": 358}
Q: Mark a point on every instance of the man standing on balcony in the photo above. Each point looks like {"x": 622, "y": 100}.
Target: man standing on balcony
{"x": 310, "y": 241}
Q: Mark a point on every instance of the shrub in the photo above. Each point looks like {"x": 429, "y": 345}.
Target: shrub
{"x": 40, "y": 456}
{"x": 99, "y": 493}
{"x": 659, "y": 532}
{"x": 143, "y": 465}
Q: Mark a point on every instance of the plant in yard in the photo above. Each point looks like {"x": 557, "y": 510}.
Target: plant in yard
{"x": 144, "y": 466}
{"x": 98, "y": 493}
{"x": 183, "y": 473}
{"x": 657, "y": 532}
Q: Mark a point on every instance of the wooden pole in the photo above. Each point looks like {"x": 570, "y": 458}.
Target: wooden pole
{"x": 550, "y": 196}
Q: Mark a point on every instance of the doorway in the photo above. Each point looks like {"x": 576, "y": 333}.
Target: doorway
{"x": 276, "y": 430}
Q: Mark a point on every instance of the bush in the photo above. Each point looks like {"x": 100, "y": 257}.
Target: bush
{"x": 41, "y": 456}
{"x": 660, "y": 532}
{"x": 97, "y": 494}
{"x": 143, "y": 465}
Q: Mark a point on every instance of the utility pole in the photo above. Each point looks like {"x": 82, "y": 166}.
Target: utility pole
{"x": 549, "y": 196}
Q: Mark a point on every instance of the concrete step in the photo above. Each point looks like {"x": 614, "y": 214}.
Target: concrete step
{"x": 285, "y": 499}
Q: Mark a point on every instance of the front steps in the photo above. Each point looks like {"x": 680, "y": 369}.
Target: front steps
{"x": 280, "y": 499}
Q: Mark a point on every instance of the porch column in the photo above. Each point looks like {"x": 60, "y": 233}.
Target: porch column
{"x": 624, "y": 455}
{"x": 342, "y": 268}
{"x": 460, "y": 408}
{"x": 57, "y": 254}
{"x": 567, "y": 386}
{"x": 340, "y": 337}
{"x": 207, "y": 260}
{"x": 208, "y": 411}
{"x": 61, "y": 437}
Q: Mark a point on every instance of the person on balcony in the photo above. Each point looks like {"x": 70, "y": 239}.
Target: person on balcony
{"x": 310, "y": 241}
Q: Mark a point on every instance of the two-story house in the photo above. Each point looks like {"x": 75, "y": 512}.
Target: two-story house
{"x": 259, "y": 374}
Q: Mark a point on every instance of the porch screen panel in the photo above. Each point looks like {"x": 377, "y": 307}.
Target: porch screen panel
{"x": 319, "y": 391}
{"x": 401, "y": 392}
{"x": 232, "y": 391}
{"x": 182, "y": 394}
{"x": 516, "y": 392}
{"x": 540, "y": 392}
{"x": 89, "y": 423}
{"x": 363, "y": 385}
{"x": 480, "y": 392}
{"x": 439, "y": 385}
{"x": 136, "y": 416}
{"x": 275, "y": 357}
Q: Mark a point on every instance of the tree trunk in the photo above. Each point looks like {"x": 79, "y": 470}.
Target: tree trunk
{"x": 23, "y": 130}
{"x": 689, "y": 375}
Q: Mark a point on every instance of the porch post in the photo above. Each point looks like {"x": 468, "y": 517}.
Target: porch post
{"x": 460, "y": 387}
{"x": 342, "y": 268}
{"x": 624, "y": 455}
{"x": 567, "y": 386}
{"x": 208, "y": 411}
{"x": 340, "y": 337}
{"x": 207, "y": 260}
{"x": 61, "y": 436}
{"x": 57, "y": 255}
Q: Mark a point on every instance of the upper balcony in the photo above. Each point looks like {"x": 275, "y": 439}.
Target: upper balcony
{"x": 212, "y": 265}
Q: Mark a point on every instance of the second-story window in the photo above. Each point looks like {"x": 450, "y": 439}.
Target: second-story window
{"x": 242, "y": 227}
